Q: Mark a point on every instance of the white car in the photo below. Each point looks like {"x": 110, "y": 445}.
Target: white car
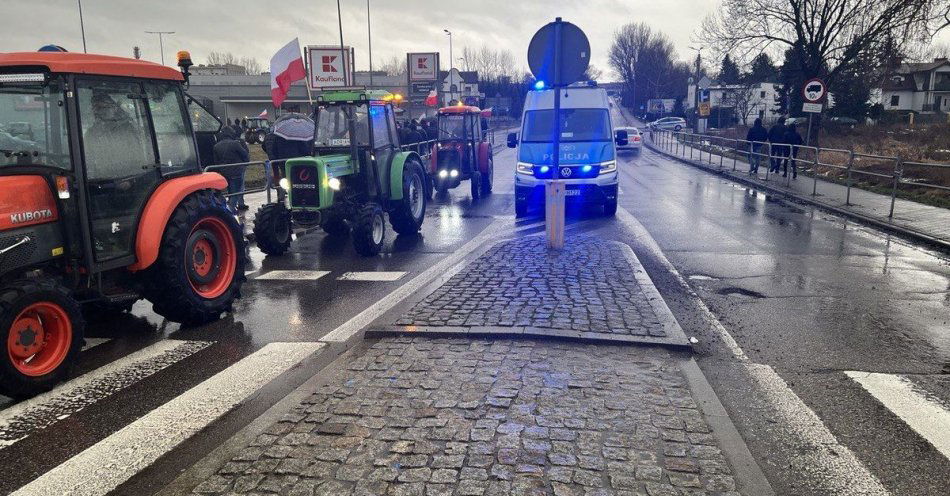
{"x": 669, "y": 124}
{"x": 634, "y": 140}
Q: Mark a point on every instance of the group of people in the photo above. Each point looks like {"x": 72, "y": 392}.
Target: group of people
{"x": 416, "y": 131}
{"x": 784, "y": 142}
{"x": 231, "y": 148}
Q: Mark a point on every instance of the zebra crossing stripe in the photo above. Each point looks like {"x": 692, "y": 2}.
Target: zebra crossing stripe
{"x": 371, "y": 276}
{"x": 292, "y": 275}
{"x": 104, "y": 466}
{"x": 93, "y": 342}
{"x": 925, "y": 415}
{"x": 26, "y": 417}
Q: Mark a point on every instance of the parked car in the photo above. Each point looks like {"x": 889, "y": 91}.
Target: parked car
{"x": 634, "y": 141}
{"x": 668, "y": 124}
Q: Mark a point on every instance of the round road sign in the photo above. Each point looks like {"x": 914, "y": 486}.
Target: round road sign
{"x": 573, "y": 53}
{"x": 814, "y": 90}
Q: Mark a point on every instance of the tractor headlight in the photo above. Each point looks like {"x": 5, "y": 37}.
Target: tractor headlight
{"x": 443, "y": 174}
{"x": 284, "y": 183}
{"x": 454, "y": 173}
{"x": 608, "y": 167}
{"x": 524, "y": 168}
{"x": 334, "y": 183}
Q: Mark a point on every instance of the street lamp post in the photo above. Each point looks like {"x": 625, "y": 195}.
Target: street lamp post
{"x": 369, "y": 35}
{"x": 82, "y": 28}
{"x": 451, "y": 63}
{"x": 161, "y": 42}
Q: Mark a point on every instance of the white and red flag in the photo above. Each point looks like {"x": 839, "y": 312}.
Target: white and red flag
{"x": 263, "y": 115}
{"x": 432, "y": 99}
{"x": 286, "y": 66}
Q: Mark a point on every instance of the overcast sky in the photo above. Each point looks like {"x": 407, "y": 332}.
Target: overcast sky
{"x": 257, "y": 28}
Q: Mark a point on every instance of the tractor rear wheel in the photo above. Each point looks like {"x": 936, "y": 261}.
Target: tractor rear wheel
{"x": 42, "y": 326}
{"x": 272, "y": 229}
{"x": 369, "y": 230}
{"x": 489, "y": 178}
{"x": 200, "y": 266}
{"x": 476, "y": 183}
{"x": 410, "y": 212}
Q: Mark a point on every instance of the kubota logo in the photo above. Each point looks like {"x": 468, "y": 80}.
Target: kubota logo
{"x": 31, "y": 216}
{"x": 329, "y": 63}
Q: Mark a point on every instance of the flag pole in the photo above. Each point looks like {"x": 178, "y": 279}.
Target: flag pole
{"x": 306, "y": 61}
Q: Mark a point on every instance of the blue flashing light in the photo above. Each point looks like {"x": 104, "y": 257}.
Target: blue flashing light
{"x": 586, "y": 168}
{"x": 539, "y": 85}
{"x": 544, "y": 169}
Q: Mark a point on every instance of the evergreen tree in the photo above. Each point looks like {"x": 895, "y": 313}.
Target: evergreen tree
{"x": 729, "y": 71}
{"x": 763, "y": 70}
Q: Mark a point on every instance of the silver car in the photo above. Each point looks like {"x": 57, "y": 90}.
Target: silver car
{"x": 634, "y": 139}
{"x": 669, "y": 124}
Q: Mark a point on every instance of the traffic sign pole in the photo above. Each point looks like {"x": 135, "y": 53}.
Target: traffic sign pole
{"x": 556, "y": 193}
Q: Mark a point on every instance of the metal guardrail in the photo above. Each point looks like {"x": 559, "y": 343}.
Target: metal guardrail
{"x": 685, "y": 144}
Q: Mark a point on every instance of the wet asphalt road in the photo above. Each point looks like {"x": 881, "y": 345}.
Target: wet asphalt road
{"x": 807, "y": 293}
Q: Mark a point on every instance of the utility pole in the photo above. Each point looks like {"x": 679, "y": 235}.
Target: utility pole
{"x": 82, "y": 28}
{"x": 451, "y": 64}
{"x": 161, "y": 41}
{"x": 369, "y": 34}
{"x": 339, "y": 17}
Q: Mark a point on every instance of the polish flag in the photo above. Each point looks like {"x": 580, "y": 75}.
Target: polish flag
{"x": 432, "y": 100}
{"x": 286, "y": 66}
{"x": 263, "y": 115}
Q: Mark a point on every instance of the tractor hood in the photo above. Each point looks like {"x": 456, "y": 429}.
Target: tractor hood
{"x": 25, "y": 201}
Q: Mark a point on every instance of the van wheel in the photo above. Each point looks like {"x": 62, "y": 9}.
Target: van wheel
{"x": 43, "y": 327}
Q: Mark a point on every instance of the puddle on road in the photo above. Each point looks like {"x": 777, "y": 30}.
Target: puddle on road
{"x": 701, "y": 277}
{"x": 740, "y": 292}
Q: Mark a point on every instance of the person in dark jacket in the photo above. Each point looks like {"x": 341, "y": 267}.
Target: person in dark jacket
{"x": 279, "y": 148}
{"x": 793, "y": 140}
{"x": 777, "y": 147}
{"x": 756, "y": 136}
{"x": 230, "y": 150}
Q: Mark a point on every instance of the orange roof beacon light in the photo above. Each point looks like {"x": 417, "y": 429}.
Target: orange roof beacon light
{"x": 184, "y": 62}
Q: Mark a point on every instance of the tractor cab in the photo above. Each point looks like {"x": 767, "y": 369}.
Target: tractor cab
{"x": 462, "y": 151}
{"x": 98, "y": 155}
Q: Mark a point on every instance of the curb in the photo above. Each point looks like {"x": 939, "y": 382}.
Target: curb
{"x": 912, "y": 234}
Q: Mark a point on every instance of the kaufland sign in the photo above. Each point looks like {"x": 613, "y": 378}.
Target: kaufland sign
{"x": 329, "y": 67}
{"x": 423, "y": 66}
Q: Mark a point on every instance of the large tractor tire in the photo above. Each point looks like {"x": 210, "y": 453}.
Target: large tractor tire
{"x": 42, "y": 326}
{"x": 369, "y": 230}
{"x": 488, "y": 178}
{"x": 200, "y": 266}
{"x": 272, "y": 229}
{"x": 335, "y": 225}
{"x": 476, "y": 184}
{"x": 410, "y": 212}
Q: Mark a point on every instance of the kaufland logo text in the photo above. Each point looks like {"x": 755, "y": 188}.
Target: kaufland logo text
{"x": 423, "y": 64}
{"x": 329, "y": 63}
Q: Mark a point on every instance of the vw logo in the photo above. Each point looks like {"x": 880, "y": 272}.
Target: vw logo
{"x": 565, "y": 172}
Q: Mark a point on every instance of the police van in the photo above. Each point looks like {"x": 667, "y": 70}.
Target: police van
{"x": 588, "y": 156}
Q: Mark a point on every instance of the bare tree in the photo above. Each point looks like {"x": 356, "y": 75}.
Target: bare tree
{"x": 394, "y": 66}
{"x": 829, "y": 37}
{"x": 221, "y": 58}
{"x": 740, "y": 98}
{"x": 593, "y": 73}
{"x": 492, "y": 64}
{"x": 251, "y": 65}
{"x": 644, "y": 60}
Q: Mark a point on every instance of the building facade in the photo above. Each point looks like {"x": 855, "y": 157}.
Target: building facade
{"x": 757, "y": 100}
{"x": 918, "y": 87}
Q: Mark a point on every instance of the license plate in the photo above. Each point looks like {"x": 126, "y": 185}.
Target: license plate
{"x": 572, "y": 192}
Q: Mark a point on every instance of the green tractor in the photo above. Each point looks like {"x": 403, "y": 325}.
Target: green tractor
{"x": 358, "y": 174}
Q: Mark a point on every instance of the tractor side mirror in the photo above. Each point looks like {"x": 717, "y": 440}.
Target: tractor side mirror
{"x": 512, "y": 140}
{"x": 621, "y": 137}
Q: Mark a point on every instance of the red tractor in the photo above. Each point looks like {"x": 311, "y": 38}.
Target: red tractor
{"x": 462, "y": 151}
{"x": 104, "y": 204}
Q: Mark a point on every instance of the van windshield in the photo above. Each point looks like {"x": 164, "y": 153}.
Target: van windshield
{"x": 577, "y": 125}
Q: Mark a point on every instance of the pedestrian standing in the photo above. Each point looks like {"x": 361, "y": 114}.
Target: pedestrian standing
{"x": 756, "y": 136}
{"x": 229, "y": 150}
{"x": 777, "y": 147}
{"x": 793, "y": 140}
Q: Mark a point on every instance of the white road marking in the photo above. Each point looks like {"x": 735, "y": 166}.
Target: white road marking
{"x": 292, "y": 275}
{"x": 112, "y": 461}
{"x": 927, "y": 417}
{"x": 26, "y": 417}
{"x": 831, "y": 466}
{"x": 445, "y": 268}
{"x": 93, "y": 342}
{"x": 371, "y": 276}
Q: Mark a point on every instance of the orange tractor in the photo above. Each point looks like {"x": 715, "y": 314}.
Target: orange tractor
{"x": 105, "y": 203}
{"x": 462, "y": 151}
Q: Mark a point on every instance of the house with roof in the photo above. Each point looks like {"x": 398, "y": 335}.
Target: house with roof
{"x": 922, "y": 87}
{"x": 756, "y": 100}
{"x": 460, "y": 86}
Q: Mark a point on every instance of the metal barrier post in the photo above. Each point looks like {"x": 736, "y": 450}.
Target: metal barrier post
{"x": 555, "y": 192}
{"x": 789, "y": 163}
{"x": 691, "y": 147}
{"x": 847, "y": 200}
{"x": 898, "y": 169}
{"x": 768, "y": 169}
{"x": 814, "y": 174}
{"x": 722, "y": 151}
{"x": 735, "y": 155}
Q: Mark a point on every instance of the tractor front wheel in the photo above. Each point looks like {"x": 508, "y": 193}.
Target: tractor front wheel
{"x": 476, "y": 183}
{"x": 200, "y": 266}
{"x": 410, "y": 212}
{"x": 488, "y": 178}
{"x": 369, "y": 230}
{"x": 42, "y": 326}
{"x": 272, "y": 229}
